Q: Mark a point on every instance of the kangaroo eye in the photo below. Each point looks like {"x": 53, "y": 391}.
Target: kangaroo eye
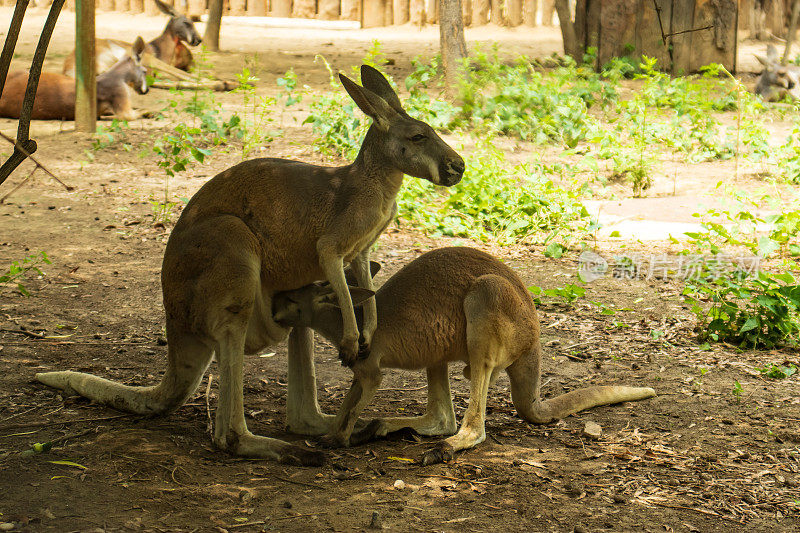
{"x": 419, "y": 137}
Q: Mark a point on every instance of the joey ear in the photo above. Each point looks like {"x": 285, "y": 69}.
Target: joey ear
{"x": 359, "y": 295}
{"x": 373, "y": 80}
{"x": 167, "y": 10}
{"x": 763, "y": 60}
{"x": 138, "y": 49}
{"x": 374, "y": 268}
{"x": 370, "y": 103}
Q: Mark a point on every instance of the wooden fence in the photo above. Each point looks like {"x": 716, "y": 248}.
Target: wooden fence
{"x": 370, "y": 12}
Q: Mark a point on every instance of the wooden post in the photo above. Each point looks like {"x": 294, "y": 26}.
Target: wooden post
{"x": 374, "y": 13}
{"x": 329, "y": 9}
{"x": 401, "y": 11}
{"x": 237, "y": 7}
{"x": 150, "y": 7}
{"x": 105, "y": 5}
{"x": 548, "y": 9}
{"x": 432, "y": 11}
{"x": 466, "y": 12}
{"x": 304, "y": 9}
{"x": 529, "y": 11}
{"x": 350, "y": 10}
{"x": 497, "y": 13}
{"x": 122, "y": 5}
{"x": 452, "y": 43}
{"x": 281, "y": 8}
{"x": 514, "y": 12}
{"x": 85, "y": 82}
{"x": 480, "y": 12}
{"x": 137, "y": 6}
{"x": 417, "y": 9}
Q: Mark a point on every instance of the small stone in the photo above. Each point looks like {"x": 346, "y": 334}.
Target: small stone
{"x": 619, "y": 498}
{"x": 287, "y": 504}
{"x": 592, "y": 430}
{"x": 6, "y": 526}
{"x": 399, "y": 484}
{"x": 376, "y": 522}
{"x": 579, "y": 529}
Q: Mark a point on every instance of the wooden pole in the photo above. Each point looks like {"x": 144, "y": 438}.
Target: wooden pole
{"x": 452, "y": 43}
{"x": 350, "y": 10}
{"x": 466, "y": 12}
{"x": 480, "y": 12}
{"x": 122, "y": 5}
{"x": 497, "y": 13}
{"x": 305, "y": 9}
{"x": 529, "y": 11}
{"x": 432, "y": 11}
{"x": 137, "y": 6}
{"x": 211, "y": 35}
{"x": 417, "y": 8}
{"x": 329, "y": 9}
{"x": 792, "y": 30}
{"x": 281, "y": 8}
{"x": 85, "y": 82}
{"x": 401, "y": 11}
{"x": 374, "y": 14}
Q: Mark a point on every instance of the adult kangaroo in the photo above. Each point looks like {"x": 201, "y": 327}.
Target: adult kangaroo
{"x": 269, "y": 225}
{"x": 450, "y": 304}
{"x": 55, "y": 95}
{"x": 169, "y": 47}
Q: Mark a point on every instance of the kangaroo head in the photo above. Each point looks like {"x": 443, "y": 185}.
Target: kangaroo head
{"x": 776, "y": 80}
{"x": 300, "y": 307}
{"x": 405, "y": 143}
{"x": 138, "y": 75}
{"x": 179, "y": 25}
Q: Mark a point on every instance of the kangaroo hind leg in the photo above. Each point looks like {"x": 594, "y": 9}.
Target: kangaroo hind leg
{"x": 488, "y": 329}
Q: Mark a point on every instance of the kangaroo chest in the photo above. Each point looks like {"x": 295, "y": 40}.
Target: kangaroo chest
{"x": 366, "y": 240}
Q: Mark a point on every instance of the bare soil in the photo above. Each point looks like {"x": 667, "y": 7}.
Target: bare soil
{"x": 698, "y": 457}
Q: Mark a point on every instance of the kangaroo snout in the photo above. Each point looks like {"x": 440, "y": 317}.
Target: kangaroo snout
{"x": 196, "y": 40}
{"x": 451, "y": 172}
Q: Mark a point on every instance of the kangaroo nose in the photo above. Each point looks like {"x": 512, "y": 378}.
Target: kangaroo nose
{"x": 456, "y": 166}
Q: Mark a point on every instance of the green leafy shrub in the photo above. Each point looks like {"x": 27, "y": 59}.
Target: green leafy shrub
{"x": 19, "y": 269}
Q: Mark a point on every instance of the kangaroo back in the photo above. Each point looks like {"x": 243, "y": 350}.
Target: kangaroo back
{"x": 55, "y": 96}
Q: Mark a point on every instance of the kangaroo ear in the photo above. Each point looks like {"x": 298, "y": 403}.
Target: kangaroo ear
{"x": 376, "y": 82}
{"x": 167, "y": 10}
{"x": 772, "y": 54}
{"x": 370, "y": 103}
{"x": 374, "y": 268}
{"x": 763, "y": 60}
{"x": 138, "y": 49}
{"x": 359, "y": 295}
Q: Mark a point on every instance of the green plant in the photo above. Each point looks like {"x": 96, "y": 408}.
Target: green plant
{"x": 753, "y": 312}
{"x": 116, "y": 132}
{"x": 569, "y": 293}
{"x": 177, "y": 150}
{"x": 736, "y": 391}
{"x": 778, "y": 371}
{"x": 20, "y": 269}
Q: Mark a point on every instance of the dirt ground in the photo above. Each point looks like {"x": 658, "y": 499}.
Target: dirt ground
{"x": 695, "y": 458}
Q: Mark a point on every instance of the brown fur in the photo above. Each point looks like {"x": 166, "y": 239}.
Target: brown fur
{"x": 451, "y": 304}
{"x": 169, "y": 47}
{"x": 55, "y": 94}
{"x": 267, "y": 225}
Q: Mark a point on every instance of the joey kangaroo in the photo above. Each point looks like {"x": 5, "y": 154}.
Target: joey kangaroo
{"x": 777, "y": 81}
{"x": 55, "y": 95}
{"x": 269, "y": 225}
{"x": 169, "y": 47}
{"x": 450, "y": 304}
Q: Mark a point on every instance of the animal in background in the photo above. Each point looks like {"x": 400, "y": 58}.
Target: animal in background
{"x": 169, "y": 47}
{"x": 269, "y": 225}
{"x": 777, "y": 81}
{"x": 450, "y": 304}
{"x": 55, "y": 95}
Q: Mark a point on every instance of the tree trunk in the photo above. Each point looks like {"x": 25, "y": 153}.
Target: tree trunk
{"x": 451, "y": 38}
{"x": 514, "y": 12}
{"x": 137, "y": 6}
{"x": 122, "y": 5}
{"x": 401, "y": 11}
{"x": 211, "y": 35}
{"x": 529, "y": 12}
{"x": 417, "y": 8}
{"x": 792, "y": 30}
{"x": 105, "y": 5}
{"x": 480, "y": 12}
{"x": 281, "y": 8}
{"x": 571, "y": 45}
{"x": 497, "y": 13}
{"x": 195, "y": 8}
{"x": 328, "y": 9}
{"x": 388, "y": 13}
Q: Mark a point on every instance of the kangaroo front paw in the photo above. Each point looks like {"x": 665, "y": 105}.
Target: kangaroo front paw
{"x": 441, "y": 453}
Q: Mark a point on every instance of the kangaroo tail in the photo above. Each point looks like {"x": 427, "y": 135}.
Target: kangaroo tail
{"x": 544, "y": 411}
